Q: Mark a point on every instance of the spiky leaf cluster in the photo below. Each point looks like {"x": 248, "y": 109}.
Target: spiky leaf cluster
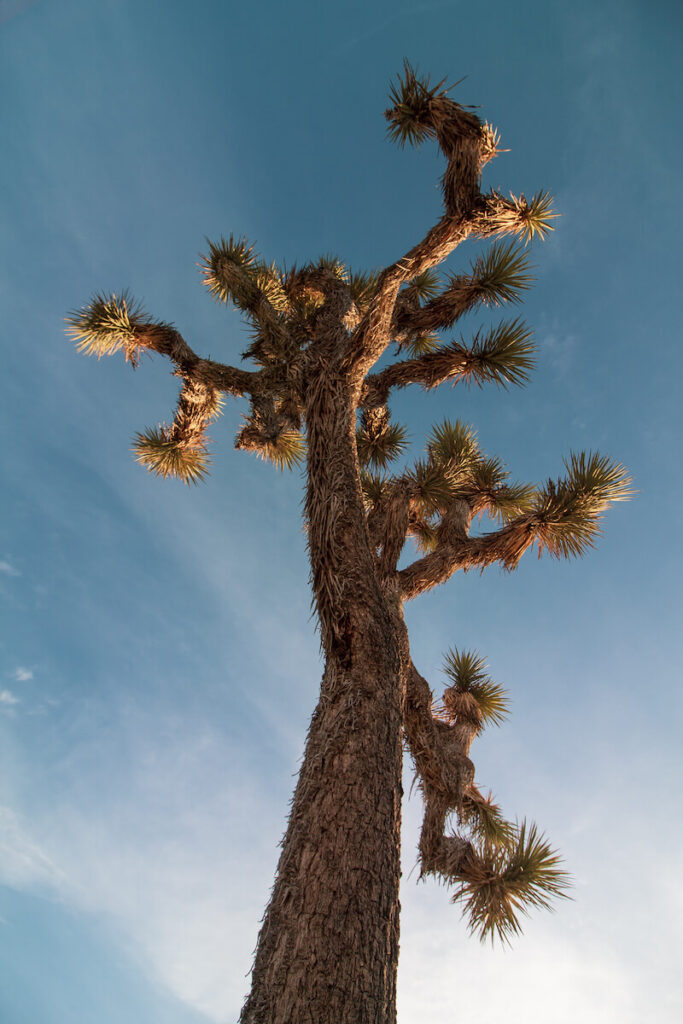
{"x": 424, "y": 532}
{"x": 503, "y": 356}
{"x": 379, "y": 448}
{"x": 409, "y": 117}
{"x": 424, "y": 287}
{"x": 452, "y": 453}
{"x": 501, "y": 274}
{"x": 490, "y": 491}
{"x": 165, "y": 457}
{"x": 329, "y": 261}
{"x": 568, "y": 512}
{"x": 503, "y": 881}
{"x": 234, "y": 273}
{"x": 375, "y": 487}
{"x": 431, "y": 487}
{"x": 108, "y": 324}
{"x": 455, "y": 446}
{"x": 485, "y": 820}
{"x": 528, "y": 218}
{"x": 467, "y": 670}
{"x": 363, "y": 287}
{"x": 286, "y": 449}
{"x": 420, "y": 345}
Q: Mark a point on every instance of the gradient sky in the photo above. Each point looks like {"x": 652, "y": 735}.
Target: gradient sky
{"x": 158, "y": 660}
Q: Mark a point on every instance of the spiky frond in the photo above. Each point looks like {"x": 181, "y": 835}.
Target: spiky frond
{"x": 501, "y": 274}
{"x": 374, "y": 486}
{"x": 486, "y": 821}
{"x": 164, "y": 457}
{"x": 500, "y": 882}
{"x": 233, "y": 273}
{"x": 409, "y": 115}
{"x": 107, "y": 324}
{"x": 490, "y": 492}
{"x": 286, "y": 449}
{"x": 468, "y": 672}
{"x": 424, "y": 533}
{"x": 424, "y": 286}
{"x": 464, "y": 668}
{"x": 270, "y": 283}
{"x": 504, "y": 356}
{"x": 535, "y": 216}
{"x": 454, "y": 445}
{"x": 235, "y": 251}
{"x": 363, "y": 287}
{"x": 328, "y": 261}
{"x": 420, "y": 344}
{"x": 568, "y": 512}
{"x": 381, "y": 447}
{"x": 490, "y": 146}
{"x": 488, "y": 474}
{"x": 431, "y": 486}
{"x": 511, "y": 500}
{"x": 528, "y": 218}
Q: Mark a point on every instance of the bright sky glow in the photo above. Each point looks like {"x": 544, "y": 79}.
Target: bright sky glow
{"x": 158, "y": 662}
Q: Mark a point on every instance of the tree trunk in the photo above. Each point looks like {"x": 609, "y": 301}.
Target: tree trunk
{"x": 328, "y": 948}
{"x": 327, "y": 952}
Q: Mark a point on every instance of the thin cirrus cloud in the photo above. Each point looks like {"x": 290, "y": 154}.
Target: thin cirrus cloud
{"x": 22, "y": 675}
{"x": 8, "y": 569}
{"x": 8, "y": 699}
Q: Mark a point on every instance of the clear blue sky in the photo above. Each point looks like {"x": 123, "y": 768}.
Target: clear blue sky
{"x": 158, "y": 661}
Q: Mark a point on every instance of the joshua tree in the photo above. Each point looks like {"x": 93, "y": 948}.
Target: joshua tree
{"x": 328, "y": 947}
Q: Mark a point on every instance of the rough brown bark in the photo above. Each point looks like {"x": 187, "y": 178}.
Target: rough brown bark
{"x": 328, "y": 949}
{"x": 327, "y": 952}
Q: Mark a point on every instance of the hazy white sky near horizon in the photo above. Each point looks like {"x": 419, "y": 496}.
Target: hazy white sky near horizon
{"x": 158, "y": 661}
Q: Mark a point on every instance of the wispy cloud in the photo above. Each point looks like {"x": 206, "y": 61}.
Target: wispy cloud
{"x": 169, "y": 867}
{"x": 8, "y": 569}
{"x": 7, "y": 698}
{"x": 23, "y": 864}
{"x": 22, "y": 675}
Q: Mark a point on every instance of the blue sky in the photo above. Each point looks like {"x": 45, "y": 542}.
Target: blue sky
{"x": 158, "y": 662}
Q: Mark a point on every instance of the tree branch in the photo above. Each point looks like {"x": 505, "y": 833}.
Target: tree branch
{"x": 165, "y": 340}
{"x": 503, "y": 356}
{"x": 454, "y": 552}
{"x": 115, "y": 323}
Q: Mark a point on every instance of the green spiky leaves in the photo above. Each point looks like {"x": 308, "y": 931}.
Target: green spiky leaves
{"x": 286, "y": 451}
{"x": 285, "y": 448}
{"x": 161, "y": 455}
{"x": 568, "y": 512}
{"x": 534, "y": 216}
{"x": 503, "y": 356}
{"x": 363, "y": 287}
{"x": 409, "y": 117}
{"x": 108, "y": 324}
{"x": 528, "y": 218}
{"x": 375, "y": 487}
{"x": 431, "y": 487}
{"x": 424, "y": 287}
{"x": 379, "y": 443}
{"x": 501, "y": 274}
{"x": 234, "y": 273}
{"x": 454, "y": 445}
{"x": 420, "y": 345}
{"x": 485, "y": 820}
{"x": 467, "y": 670}
{"x": 502, "y": 881}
